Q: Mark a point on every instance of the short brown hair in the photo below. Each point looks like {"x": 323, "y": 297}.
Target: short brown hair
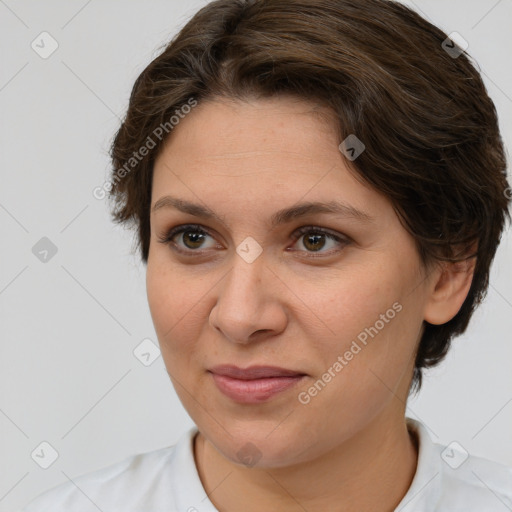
{"x": 433, "y": 146}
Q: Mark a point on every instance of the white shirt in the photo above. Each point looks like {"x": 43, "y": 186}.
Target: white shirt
{"x": 446, "y": 480}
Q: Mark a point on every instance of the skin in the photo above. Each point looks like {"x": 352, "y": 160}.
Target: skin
{"x": 348, "y": 449}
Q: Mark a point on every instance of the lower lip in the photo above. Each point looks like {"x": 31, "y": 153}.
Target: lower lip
{"x": 256, "y": 390}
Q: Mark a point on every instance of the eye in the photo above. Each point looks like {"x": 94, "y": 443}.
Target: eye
{"x": 314, "y": 239}
{"x": 190, "y": 238}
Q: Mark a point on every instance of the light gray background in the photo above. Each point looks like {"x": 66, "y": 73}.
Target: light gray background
{"x": 69, "y": 326}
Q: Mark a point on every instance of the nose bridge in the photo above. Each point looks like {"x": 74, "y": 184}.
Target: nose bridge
{"x": 244, "y": 304}
{"x": 245, "y": 279}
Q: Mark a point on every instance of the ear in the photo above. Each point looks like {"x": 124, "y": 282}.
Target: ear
{"x": 450, "y": 286}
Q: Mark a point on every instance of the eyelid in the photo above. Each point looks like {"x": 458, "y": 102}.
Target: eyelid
{"x": 318, "y": 229}
{"x": 167, "y": 236}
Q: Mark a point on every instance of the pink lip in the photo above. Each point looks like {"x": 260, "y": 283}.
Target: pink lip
{"x": 255, "y": 384}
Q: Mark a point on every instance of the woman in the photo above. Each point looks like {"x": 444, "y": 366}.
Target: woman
{"x": 319, "y": 190}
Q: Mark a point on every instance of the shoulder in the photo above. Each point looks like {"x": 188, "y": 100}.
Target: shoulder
{"x": 139, "y": 480}
{"x": 477, "y": 484}
{"x": 449, "y": 479}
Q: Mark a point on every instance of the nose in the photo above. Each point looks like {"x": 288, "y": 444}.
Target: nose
{"x": 249, "y": 305}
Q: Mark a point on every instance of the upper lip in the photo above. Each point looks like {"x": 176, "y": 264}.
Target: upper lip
{"x": 253, "y": 372}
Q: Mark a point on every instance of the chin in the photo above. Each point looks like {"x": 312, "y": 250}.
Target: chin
{"x": 263, "y": 446}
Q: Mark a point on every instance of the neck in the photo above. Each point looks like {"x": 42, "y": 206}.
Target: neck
{"x": 371, "y": 471}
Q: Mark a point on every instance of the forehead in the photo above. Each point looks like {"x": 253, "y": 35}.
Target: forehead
{"x": 268, "y": 151}
{"x": 224, "y": 128}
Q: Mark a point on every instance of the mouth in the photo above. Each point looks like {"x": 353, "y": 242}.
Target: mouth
{"x": 255, "y": 384}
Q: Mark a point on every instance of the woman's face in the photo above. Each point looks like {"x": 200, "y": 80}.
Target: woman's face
{"x": 336, "y": 298}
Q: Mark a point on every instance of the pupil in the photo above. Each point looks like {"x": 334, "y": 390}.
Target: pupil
{"x": 193, "y": 239}
{"x": 314, "y": 239}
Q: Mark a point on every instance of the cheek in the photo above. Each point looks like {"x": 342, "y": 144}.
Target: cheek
{"x": 361, "y": 367}
{"x": 371, "y": 320}
{"x": 352, "y": 301}
{"x": 174, "y": 299}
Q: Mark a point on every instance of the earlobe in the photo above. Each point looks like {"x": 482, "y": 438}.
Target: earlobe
{"x": 449, "y": 290}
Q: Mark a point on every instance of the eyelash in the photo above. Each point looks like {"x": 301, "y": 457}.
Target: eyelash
{"x": 167, "y": 238}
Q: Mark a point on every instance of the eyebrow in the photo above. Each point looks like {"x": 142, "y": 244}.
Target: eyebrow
{"x": 280, "y": 217}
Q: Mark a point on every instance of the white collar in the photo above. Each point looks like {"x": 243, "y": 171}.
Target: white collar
{"x": 425, "y": 489}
